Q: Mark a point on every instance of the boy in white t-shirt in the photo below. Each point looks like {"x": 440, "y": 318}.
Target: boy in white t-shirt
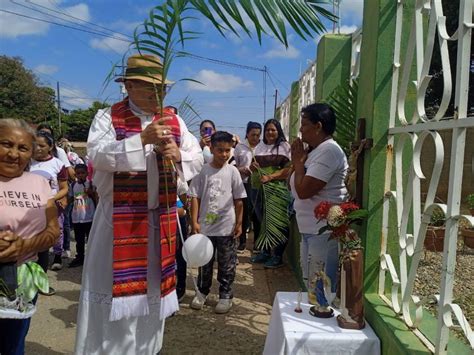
{"x": 217, "y": 211}
{"x": 83, "y": 198}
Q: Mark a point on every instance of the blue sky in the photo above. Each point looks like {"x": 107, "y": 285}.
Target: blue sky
{"x": 80, "y": 61}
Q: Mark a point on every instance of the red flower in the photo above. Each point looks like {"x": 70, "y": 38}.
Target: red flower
{"x": 348, "y": 207}
{"x": 340, "y": 231}
{"x": 321, "y": 210}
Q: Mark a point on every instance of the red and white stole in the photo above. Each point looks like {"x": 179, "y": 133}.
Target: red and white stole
{"x": 130, "y": 222}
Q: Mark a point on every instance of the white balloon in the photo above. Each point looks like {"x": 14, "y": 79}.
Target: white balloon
{"x": 197, "y": 250}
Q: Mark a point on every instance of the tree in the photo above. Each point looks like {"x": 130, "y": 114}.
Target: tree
{"x": 76, "y": 124}
{"x": 21, "y": 95}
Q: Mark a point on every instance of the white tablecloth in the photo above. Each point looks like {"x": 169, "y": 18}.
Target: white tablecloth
{"x": 300, "y": 333}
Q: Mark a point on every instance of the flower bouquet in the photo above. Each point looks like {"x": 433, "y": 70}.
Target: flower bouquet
{"x": 339, "y": 219}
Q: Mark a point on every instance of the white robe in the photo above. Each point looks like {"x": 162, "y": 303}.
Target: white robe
{"x": 136, "y": 335}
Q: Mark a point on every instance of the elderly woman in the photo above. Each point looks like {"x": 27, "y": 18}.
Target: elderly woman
{"x": 319, "y": 173}
{"x": 28, "y": 222}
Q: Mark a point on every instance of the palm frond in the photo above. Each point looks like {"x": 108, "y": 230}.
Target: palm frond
{"x": 303, "y": 16}
{"x": 190, "y": 115}
{"x": 344, "y": 102}
{"x": 275, "y": 221}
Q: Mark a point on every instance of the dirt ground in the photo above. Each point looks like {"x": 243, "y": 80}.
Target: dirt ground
{"x": 241, "y": 331}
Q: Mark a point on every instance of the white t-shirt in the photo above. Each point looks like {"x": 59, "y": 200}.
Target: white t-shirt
{"x": 83, "y": 208}
{"x": 52, "y": 170}
{"x": 327, "y": 162}
{"x": 63, "y": 156}
{"x": 217, "y": 189}
{"x": 243, "y": 157}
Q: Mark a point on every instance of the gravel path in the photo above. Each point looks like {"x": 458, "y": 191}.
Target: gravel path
{"x": 241, "y": 331}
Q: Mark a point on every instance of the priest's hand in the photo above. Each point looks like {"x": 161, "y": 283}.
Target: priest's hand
{"x": 169, "y": 150}
{"x": 157, "y": 132}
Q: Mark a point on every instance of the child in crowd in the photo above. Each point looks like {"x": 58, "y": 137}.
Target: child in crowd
{"x": 181, "y": 206}
{"x": 83, "y": 198}
{"x": 54, "y": 170}
{"x": 216, "y": 211}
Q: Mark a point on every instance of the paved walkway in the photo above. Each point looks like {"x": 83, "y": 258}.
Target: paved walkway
{"x": 242, "y": 331}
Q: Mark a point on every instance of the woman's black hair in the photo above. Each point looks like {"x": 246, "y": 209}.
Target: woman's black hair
{"x": 207, "y": 121}
{"x": 49, "y": 139}
{"x": 39, "y": 130}
{"x": 281, "y": 136}
{"x": 252, "y": 125}
{"x": 321, "y": 113}
{"x": 42, "y": 126}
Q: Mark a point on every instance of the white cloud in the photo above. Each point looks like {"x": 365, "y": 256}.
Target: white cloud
{"x": 215, "y": 82}
{"x": 119, "y": 44}
{"x": 13, "y": 26}
{"x": 348, "y": 29}
{"x": 75, "y": 98}
{"x": 46, "y": 69}
{"x": 280, "y": 51}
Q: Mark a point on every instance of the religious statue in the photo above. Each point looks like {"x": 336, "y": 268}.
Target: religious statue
{"x": 351, "y": 178}
{"x": 351, "y": 277}
{"x": 318, "y": 294}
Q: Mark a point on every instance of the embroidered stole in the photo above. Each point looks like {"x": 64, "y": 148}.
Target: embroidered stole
{"x": 131, "y": 224}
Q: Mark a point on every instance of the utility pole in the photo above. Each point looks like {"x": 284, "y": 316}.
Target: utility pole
{"x": 59, "y": 109}
{"x": 264, "y": 94}
{"x": 335, "y": 11}
{"x": 276, "y": 100}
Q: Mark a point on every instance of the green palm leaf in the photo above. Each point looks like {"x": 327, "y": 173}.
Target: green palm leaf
{"x": 190, "y": 115}
{"x": 275, "y": 221}
{"x": 344, "y": 102}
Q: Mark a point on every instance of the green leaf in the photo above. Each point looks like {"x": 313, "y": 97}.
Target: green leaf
{"x": 357, "y": 214}
{"x": 344, "y": 102}
{"x": 275, "y": 222}
{"x": 40, "y": 278}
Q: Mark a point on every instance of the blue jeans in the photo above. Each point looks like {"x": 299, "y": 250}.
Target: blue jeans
{"x": 316, "y": 251}
{"x": 13, "y": 334}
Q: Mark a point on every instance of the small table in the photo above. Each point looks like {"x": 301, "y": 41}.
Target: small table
{"x": 300, "y": 333}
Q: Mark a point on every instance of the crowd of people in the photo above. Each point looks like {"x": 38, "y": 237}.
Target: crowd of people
{"x": 147, "y": 183}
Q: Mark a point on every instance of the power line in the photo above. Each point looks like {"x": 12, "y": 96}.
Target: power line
{"x": 62, "y": 25}
{"x": 77, "y": 18}
{"x": 51, "y": 15}
{"x": 222, "y": 62}
{"x": 281, "y": 83}
{"x": 83, "y": 42}
{"x": 95, "y": 32}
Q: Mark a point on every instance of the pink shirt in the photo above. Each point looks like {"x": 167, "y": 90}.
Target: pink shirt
{"x": 23, "y": 203}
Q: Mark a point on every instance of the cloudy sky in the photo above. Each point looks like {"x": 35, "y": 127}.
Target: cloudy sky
{"x": 81, "y": 59}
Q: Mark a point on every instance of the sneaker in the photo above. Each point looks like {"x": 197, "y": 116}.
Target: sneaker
{"x": 241, "y": 248}
{"x": 273, "y": 263}
{"x": 51, "y": 291}
{"x": 198, "y": 301}
{"x": 76, "y": 262}
{"x": 66, "y": 254}
{"x": 16, "y": 309}
{"x": 260, "y": 258}
{"x": 223, "y": 306}
{"x": 57, "y": 263}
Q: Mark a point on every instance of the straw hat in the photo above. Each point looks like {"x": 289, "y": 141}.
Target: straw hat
{"x": 144, "y": 67}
